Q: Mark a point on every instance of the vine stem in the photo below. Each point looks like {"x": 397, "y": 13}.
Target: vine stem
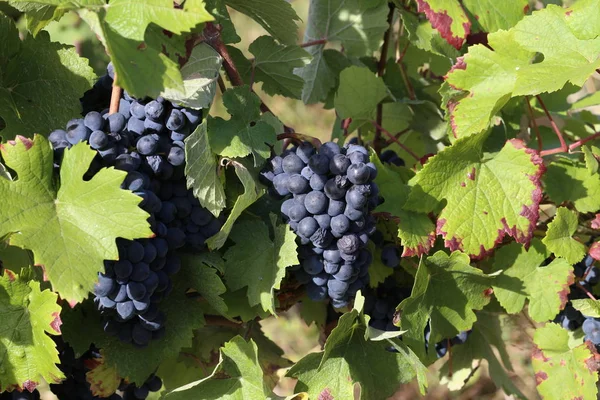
{"x": 313, "y": 43}
{"x": 572, "y": 146}
{"x": 563, "y": 144}
{"x": 115, "y": 97}
{"x": 587, "y": 292}
{"x": 215, "y": 320}
{"x": 535, "y": 125}
{"x": 381, "y": 70}
{"x": 394, "y": 139}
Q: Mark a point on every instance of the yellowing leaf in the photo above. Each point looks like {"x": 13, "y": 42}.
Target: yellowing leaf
{"x": 562, "y": 372}
{"x": 487, "y": 196}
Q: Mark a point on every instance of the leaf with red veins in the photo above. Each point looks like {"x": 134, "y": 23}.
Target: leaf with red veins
{"x": 562, "y": 371}
{"x": 449, "y": 18}
{"x": 487, "y": 196}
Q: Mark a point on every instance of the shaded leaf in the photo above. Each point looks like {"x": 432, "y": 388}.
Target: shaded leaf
{"x": 259, "y": 263}
{"x": 449, "y": 18}
{"x": 446, "y": 292}
{"x": 568, "y": 180}
{"x": 245, "y": 132}
{"x": 252, "y": 192}
{"x": 523, "y": 277}
{"x": 40, "y": 82}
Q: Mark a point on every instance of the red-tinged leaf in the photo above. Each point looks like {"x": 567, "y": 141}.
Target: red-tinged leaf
{"x": 27, "y": 316}
{"x": 488, "y": 196}
{"x": 562, "y": 371}
{"x": 596, "y": 222}
{"x": 449, "y": 18}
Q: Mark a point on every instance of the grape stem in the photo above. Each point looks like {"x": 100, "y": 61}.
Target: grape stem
{"x": 584, "y": 290}
{"x": 394, "y": 139}
{"x": 313, "y": 43}
{"x": 215, "y": 320}
{"x": 212, "y": 35}
{"x": 115, "y": 97}
{"x": 380, "y": 71}
{"x": 534, "y": 124}
{"x": 563, "y": 144}
{"x": 299, "y": 137}
{"x": 571, "y": 147}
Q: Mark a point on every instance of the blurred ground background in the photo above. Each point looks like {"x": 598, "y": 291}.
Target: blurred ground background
{"x": 289, "y": 331}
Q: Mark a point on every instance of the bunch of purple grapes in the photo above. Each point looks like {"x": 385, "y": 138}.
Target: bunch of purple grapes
{"x": 145, "y": 139}
{"x": 329, "y": 195}
{"x": 76, "y": 387}
{"x": 587, "y": 276}
{"x": 16, "y": 395}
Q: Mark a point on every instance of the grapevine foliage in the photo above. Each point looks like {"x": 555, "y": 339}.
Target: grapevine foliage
{"x": 166, "y": 184}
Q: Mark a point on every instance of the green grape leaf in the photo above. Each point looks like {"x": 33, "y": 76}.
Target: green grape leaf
{"x": 588, "y": 307}
{"x": 487, "y": 196}
{"x": 313, "y": 311}
{"x": 358, "y": 25}
{"x": 485, "y": 336}
{"x": 493, "y": 15}
{"x": 358, "y": 95}
{"x": 80, "y": 219}
{"x": 273, "y": 64}
{"x": 559, "y": 237}
{"x": 260, "y": 263}
{"x": 205, "y": 279}
{"x": 238, "y": 306}
{"x": 276, "y": 16}
{"x": 40, "y": 82}
{"x": 591, "y": 162}
{"x": 218, "y": 9}
{"x": 522, "y": 277}
{"x": 27, "y": 353}
{"x": 245, "y": 132}
{"x": 238, "y": 375}
{"x": 564, "y": 37}
{"x": 568, "y": 180}
{"x": 562, "y": 372}
{"x": 141, "y": 68}
{"x": 83, "y": 325}
{"x": 252, "y": 192}
{"x": 446, "y": 292}
{"x": 40, "y": 13}
{"x": 200, "y": 74}
{"x": 423, "y": 36}
{"x": 202, "y": 171}
{"x": 415, "y": 229}
{"x": 449, "y": 18}
{"x": 350, "y": 357}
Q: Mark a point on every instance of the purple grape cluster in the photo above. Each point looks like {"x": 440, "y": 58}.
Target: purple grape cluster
{"x": 16, "y": 395}
{"x": 76, "y": 387}
{"x": 571, "y": 319}
{"x": 145, "y": 139}
{"x": 328, "y": 195}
